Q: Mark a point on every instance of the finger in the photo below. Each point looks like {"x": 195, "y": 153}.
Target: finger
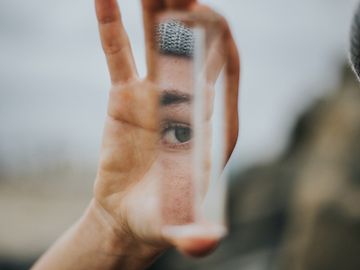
{"x": 195, "y": 240}
{"x": 232, "y": 77}
{"x": 151, "y": 9}
{"x": 179, "y": 4}
{"x": 197, "y": 246}
{"x": 223, "y": 50}
{"x": 115, "y": 41}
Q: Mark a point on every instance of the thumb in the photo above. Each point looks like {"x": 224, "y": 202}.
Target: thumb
{"x": 195, "y": 240}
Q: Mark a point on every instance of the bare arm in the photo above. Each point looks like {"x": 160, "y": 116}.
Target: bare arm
{"x": 92, "y": 243}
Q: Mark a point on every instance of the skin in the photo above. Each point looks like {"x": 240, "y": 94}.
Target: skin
{"x": 120, "y": 228}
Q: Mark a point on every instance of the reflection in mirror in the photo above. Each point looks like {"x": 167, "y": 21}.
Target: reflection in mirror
{"x": 186, "y": 120}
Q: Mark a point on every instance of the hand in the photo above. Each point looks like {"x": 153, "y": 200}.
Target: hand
{"x": 126, "y": 188}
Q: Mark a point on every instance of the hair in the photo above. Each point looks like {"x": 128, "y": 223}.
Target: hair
{"x": 175, "y": 38}
{"x": 355, "y": 43}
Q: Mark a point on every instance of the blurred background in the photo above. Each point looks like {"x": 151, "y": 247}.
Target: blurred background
{"x": 295, "y": 187}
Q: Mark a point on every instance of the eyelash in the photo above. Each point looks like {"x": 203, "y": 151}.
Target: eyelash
{"x": 168, "y": 126}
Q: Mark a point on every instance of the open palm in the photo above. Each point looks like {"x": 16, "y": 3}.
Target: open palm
{"x": 127, "y": 184}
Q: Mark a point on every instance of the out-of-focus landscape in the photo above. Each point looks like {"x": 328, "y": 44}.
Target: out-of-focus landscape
{"x": 302, "y": 210}
{"x": 294, "y": 200}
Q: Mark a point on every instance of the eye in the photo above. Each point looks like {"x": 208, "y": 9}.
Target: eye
{"x": 176, "y": 135}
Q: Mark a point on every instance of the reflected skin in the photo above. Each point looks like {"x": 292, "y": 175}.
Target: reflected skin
{"x": 175, "y": 151}
{"x": 175, "y": 79}
{"x": 120, "y": 228}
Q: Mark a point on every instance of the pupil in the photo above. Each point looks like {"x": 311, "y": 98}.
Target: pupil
{"x": 183, "y": 134}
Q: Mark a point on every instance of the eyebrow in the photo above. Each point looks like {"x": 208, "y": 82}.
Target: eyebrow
{"x": 174, "y": 97}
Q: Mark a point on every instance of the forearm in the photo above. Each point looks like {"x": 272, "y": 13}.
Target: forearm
{"x": 92, "y": 243}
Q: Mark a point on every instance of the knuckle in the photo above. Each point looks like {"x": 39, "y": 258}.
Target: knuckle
{"x": 107, "y": 19}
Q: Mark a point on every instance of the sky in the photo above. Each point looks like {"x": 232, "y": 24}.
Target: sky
{"x": 54, "y": 82}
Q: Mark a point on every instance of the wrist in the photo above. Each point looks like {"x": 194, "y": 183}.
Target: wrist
{"x": 115, "y": 242}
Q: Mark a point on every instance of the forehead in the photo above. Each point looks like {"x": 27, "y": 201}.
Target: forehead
{"x": 175, "y": 79}
{"x": 175, "y": 73}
